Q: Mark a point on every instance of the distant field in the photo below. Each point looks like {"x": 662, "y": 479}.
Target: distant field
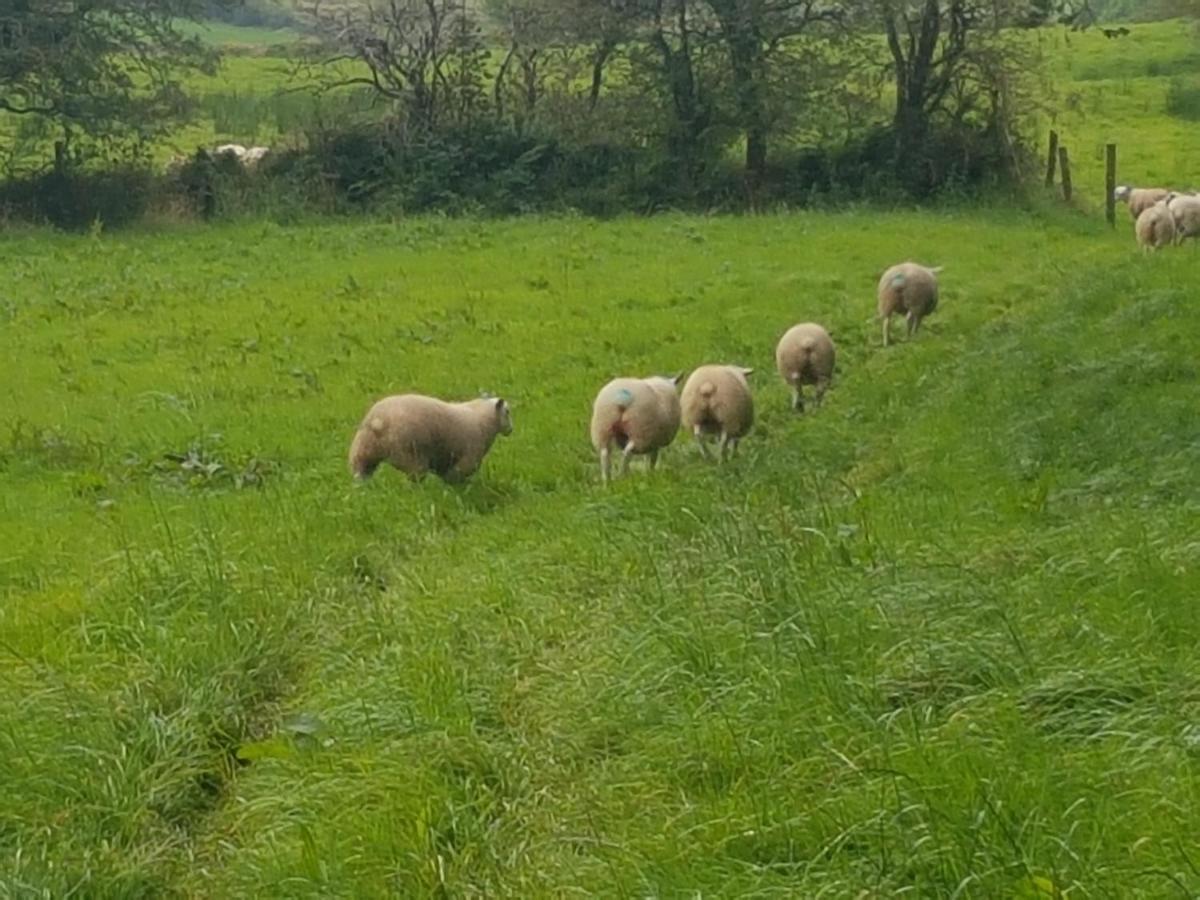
{"x": 1120, "y": 91}
{"x": 235, "y": 38}
{"x": 939, "y": 637}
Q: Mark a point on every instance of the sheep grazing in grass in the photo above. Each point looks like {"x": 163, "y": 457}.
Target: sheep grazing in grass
{"x": 1139, "y": 199}
{"x": 638, "y": 415}
{"x": 255, "y": 155}
{"x": 419, "y": 434}
{"x": 1155, "y": 227}
{"x": 1185, "y": 215}
{"x": 911, "y": 290}
{"x": 237, "y": 151}
{"x": 717, "y": 401}
{"x": 805, "y": 355}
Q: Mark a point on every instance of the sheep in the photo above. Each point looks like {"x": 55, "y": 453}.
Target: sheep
{"x": 910, "y": 289}
{"x": 252, "y": 157}
{"x": 717, "y": 400}
{"x": 1138, "y": 199}
{"x": 237, "y": 151}
{"x": 805, "y": 355}
{"x": 639, "y": 415}
{"x": 1185, "y": 215}
{"x": 419, "y": 434}
{"x": 1155, "y": 227}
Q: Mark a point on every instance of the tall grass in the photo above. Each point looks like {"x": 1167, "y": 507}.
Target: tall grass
{"x": 937, "y": 638}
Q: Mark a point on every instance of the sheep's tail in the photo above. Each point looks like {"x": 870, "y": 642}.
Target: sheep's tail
{"x": 707, "y": 390}
{"x": 623, "y": 399}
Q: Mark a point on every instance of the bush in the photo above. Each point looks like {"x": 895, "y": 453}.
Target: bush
{"x": 74, "y": 200}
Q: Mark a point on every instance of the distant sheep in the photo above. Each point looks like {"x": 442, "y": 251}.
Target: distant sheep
{"x": 1138, "y": 199}
{"x": 911, "y": 290}
{"x": 419, "y": 434}
{"x": 717, "y": 402}
{"x": 805, "y": 355}
{"x": 237, "y": 151}
{"x": 1155, "y": 227}
{"x": 255, "y": 155}
{"x": 638, "y": 415}
{"x": 1185, "y": 215}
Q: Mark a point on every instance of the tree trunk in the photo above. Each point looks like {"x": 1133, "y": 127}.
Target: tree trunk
{"x": 747, "y": 68}
{"x": 599, "y": 60}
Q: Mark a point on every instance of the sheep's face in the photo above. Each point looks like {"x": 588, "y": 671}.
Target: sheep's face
{"x": 504, "y": 416}
{"x": 1122, "y": 192}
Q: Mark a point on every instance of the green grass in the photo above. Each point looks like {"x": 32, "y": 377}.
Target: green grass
{"x": 241, "y": 38}
{"x": 938, "y": 637}
{"x": 1120, "y": 91}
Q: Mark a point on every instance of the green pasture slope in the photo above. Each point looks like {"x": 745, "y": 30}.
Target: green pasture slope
{"x": 938, "y": 636}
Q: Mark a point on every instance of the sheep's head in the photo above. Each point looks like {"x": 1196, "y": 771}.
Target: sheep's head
{"x": 503, "y": 416}
{"x": 1122, "y": 192}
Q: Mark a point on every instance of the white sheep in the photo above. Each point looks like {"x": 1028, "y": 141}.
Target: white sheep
{"x": 419, "y": 434}
{"x": 237, "y": 151}
{"x": 253, "y": 156}
{"x": 805, "y": 355}
{"x": 1185, "y": 215}
{"x": 717, "y": 401}
{"x": 1138, "y": 199}
{"x": 909, "y": 289}
{"x": 639, "y": 415}
{"x": 1155, "y": 227}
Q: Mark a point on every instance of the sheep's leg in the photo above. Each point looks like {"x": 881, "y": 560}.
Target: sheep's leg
{"x": 887, "y": 330}
{"x": 822, "y": 387}
{"x": 724, "y": 446}
{"x": 625, "y": 458}
{"x": 700, "y": 440}
{"x": 605, "y": 465}
{"x": 914, "y": 322}
{"x": 797, "y": 399}
{"x": 653, "y": 460}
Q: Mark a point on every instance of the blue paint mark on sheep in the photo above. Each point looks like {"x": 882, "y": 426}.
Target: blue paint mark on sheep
{"x": 624, "y": 397}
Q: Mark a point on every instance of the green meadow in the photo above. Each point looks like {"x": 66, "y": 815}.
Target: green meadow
{"x": 935, "y": 639}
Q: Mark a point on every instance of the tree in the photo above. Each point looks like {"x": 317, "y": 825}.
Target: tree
{"x": 757, "y": 34}
{"x": 952, "y": 60}
{"x": 425, "y": 55}
{"x": 105, "y": 69}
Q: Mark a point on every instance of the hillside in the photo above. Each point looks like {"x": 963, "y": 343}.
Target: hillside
{"x": 939, "y": 634}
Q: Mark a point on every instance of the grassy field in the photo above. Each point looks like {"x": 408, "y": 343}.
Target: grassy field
{"x": 937, "y": 638}
{"x": 1141, "y": 92}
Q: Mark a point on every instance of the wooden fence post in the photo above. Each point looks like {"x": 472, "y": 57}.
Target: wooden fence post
{"x": 1064, "y": 164}
{"x": 1110, "y": 184}
{"x": 1052, "y": 159}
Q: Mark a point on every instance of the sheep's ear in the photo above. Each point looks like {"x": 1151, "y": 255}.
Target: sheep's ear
{"x": 676, "y": 378}
{"x": 747, "y": 372}
{"x": 500, "y": 404}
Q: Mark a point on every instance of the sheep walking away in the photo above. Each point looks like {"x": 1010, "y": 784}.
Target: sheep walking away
{"x": 911, "y": 290}
{"x": 717, "y": 402}
{"x": 636, "y": 415}
{"x": 806, "y": 355}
